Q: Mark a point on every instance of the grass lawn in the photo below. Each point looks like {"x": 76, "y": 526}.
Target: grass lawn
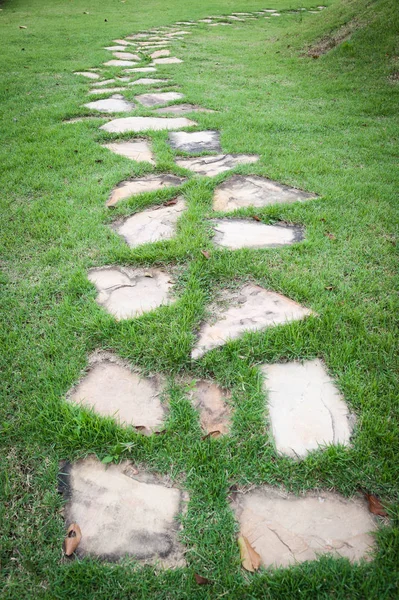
{"x": 326, "y": 125}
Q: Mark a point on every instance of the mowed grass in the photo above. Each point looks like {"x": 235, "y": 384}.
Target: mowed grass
{"x": 328, "y": 126}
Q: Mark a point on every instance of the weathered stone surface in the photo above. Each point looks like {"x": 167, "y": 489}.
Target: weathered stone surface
{"x": 152, "y": 225}
{"x": 115, "y": 48}
{"x": 148, "y": 183}
{"x": 176, "y": 33}
{"x": 112, "y": 389}
{"x": 251, "y": 309}
{"x": 158, "y": 98}
{"x": 182, "y": 109}
{"x": 195, "y": 141}
{"x": 138, "y": 150}
{"x": 172, "y": 60}
{"x": 141, "y": 70}
{"x": 241, "y": 191}
{"x": 285, "y": 529}
{"x": 126, "y": 56}
{"x": 128, "y": 293}
{"x": 205, "y": 21}
{"x": 115, "y": 104}
{"x": 137, "y": 124}
{"x": 122, "y": 512}
{"x": 120, "y": 63}
{"x": 233, "y": 18}
{"x": 104, "y": 82}
{"x": 123, "y": 42}
{"x": 149, "y": 81}
{"x": 212, "y": 403}
{"x": 241, "y": 233}
{"x": 306, "y": 409}
{"x": 99, "y": 91}
{"x": 160, "y": 54}
{"x": 213, "y": 165}
{"x": 87, "y": 74}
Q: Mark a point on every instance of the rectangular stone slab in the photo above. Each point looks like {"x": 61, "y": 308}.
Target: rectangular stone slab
{"x": 214, "y": 165}
{"x": 137, "y": 124}
{"x": 148, "y": 183}
{"x": 240, "y": 233}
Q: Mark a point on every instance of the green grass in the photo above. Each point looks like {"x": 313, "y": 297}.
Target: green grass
{"x": 328, "y": 126}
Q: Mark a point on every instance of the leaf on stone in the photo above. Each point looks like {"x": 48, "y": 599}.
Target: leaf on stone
{"x": 72, "y": 540}
{"x": 206, "y": 254}
{"x": 201, "y": 580}
{"x": 170, "y": 202}
{"x": 250, "y": 559}
{"x": 375, "y": 506}
{"x": 213, "y": 434}
{"x": 256, "y": 218}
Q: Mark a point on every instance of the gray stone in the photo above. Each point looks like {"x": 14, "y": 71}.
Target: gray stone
{"x": 172, "y": 60}
{"x": 129, "y": 293}
{"x": 127, "y": 56}
{"x": 122, "y": 511}
{"x": 152, "y": 225}
{"x": 141, "y": 70}
{"x": 156, "y": 99}
{"x": 241, "y": 191}
{"x": 213, "y": 165}
{"x": 306, "y": 409}
{"x": 120, "y": 63}
{"x": 175, "y": 33}
{"x": 240, "y": 233}
{"x": 160, "y": 54}
{"x": 87, "y": 74}
{"x": 104, "y": 82}
{"x": 115, "y": 104}
{"x": 253, "y": 308}
{"x": 286, "y": 529}
{"x": 182, "y": 109}
{"x": 149, "y": 81}
{"x": 138, "y": 150}
{"x": 137, "y": 124}
{"x": 195, "y": 141}
{"x": 212, "y": 403}
{"x": 99, "y": 91}
{"x": 115, "y": 48}
{"x": 148, "y": 183}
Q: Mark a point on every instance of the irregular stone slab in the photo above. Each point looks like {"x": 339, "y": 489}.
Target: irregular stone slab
{"x": 105, "y": 82}
{"x": 160, "y": 53}
{"x": 106, "y": 90}
{"x": 182, "y": 109}
{"x": 129, "y": 293}
{"x": 115, "y": 104}
{"x": 137, "y": 124}
{"x": 122, "y": 512}
{"x": 141, "y": 70}
{"x": 138, "y": 150}
{"x": 158, "y": 98}
{"x": 195, "y": 141}
{"x": 212, "y": 403}
{"x": 306, "y": 409}
{"x": 242, "y": 233}
{"x": 120, "y": 63}
{"x": 148, "y": 183}
{"x": 152, "y": 225}
{"x": 115, "y": 48}
{"x": 149, "y": 81}
{"x": 251, "y": 309}
{"x": 172, "y": 60}
{"x": 213, "y": 165}
{"x": 87, "y": 74}
{"x": 174, "y": 33}
{"x": 285, "y": 529}
{"x": 233, "y": 18}
{"x": 123, "y": 42}
{"x": 241, "y": 191}
{"x": 112, "y": 389}
{"x": 127, "y": 56}
{"x": 205, "y": 21}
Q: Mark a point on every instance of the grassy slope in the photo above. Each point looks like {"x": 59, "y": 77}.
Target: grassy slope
{"x": 326, "y": 125}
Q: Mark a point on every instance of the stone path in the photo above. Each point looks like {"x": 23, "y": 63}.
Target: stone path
{"x": 123, "y": 510}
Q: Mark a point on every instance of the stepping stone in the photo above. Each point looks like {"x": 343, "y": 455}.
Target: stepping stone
{"x": 160, "y": 53}
{"x": 156, "y": 99}
{"x": 126, "y": 56}
{"x": 124, "y": 79}
{"x": 137, "y": 124}
{"x": 182, "y": 109}
{"x": 148, "y": 81}
{"x": 306, "y": 409}
{"x": 141, "y": 70}
{"x": 195, "y": 141}
{"x": 286, "y": 529}
{"x": 174, "y": 33}
{"x": 112, "y": 389}
{"x": 172, "y": 60}
{"x": 129, "y": 293}
{"x": 233, "y": 18}
{"x": 205, "y": 21}
{"x": 251, "y": 309}
{"x": 242, "y": 233}
{"x": 107, "y": 90}
{"x": 115, "y": 104}
{"x": 212, "y": 403}
{"x": 115, "y": 48}
{"x": 213, "y": 165}
{"x": 105, "y": 82}
{"x": 241, "y": 191}
{"x": 138, "y": 150}
{"x": 152, "y": 225}
{"x": 275, "y": 14}
{"x": 119, "y": 63}
{"x": 87, "y": 74}
{"x": 148, "y": 183}
{"x": 122, "y": 42}
{"x": 122, "y": 511}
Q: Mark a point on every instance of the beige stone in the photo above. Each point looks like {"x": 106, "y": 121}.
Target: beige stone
{"x": 129, "y": 293}
{"x": 138, "y": 150}
{"x": 137, "y": 124}
{"x": 156, "y": 99}
{"x": 148, "y": 81}
{"x": 104, "y": 82}
{"x": 119, "y": 63}
{"x": 152, "y": 225}
{"x": 160, "y": 54}
{"x": 195, "y": 141}
{"x": 182, "y": 109}
{"x": 87, "y": 74}
{"x": 171, "y": 60}
{"x": 122, "y": 511}
{"x": 126, "y": 56}
{"x": 141, "y": 70}
{"x": 122, "y": 42}
{"x": 241, "y": 233}
{"x": 253, "y": 308}
{"x": 115, "y": 48}
{"x": 241, "y": 191}
{"x": 212, "y": 403}
{"x": 99, "y": 91}
{"x": 115, "y": 104}
{"x": 148, "y": 183}
{"x": 213, "y": 165}
{"x": 286, "y": 529}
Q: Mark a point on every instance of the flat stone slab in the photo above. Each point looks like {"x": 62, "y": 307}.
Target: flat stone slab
{"x": 241, "y": 191}
{"x": 148, "y": 183}
{"x": 99, "y": 91}
{"x": 213, "y": 165}
{"x": 172, "y": 60}
{"x": 126, "y": 56}
{"x": 152, "y": 225}
{"x": 182, "y": 109}
{"x": 119, "y": 63}
{"x": 241, "y": 233}
{"x": 115, "y": 48}
{"x": 122, "y": 511}
{"x": 285, "y": 529}
{"x": 123, "y": 42}
{"x": 112, "y": 389}
{"x": 138, "y": 150}
{"x": 158, "y": 98}
{"x": 252, "y": 308}
{"x": 115, "y": 104}
{"x": 195, "y": 141}
{"x": 141, "y": 70}
{"x": 160, "y": 54}
{"x": 129, "y": 293}
{"x": 211, "y": 401}
{"x": 104, "y": 82}
{"x": 87, "y": 74}
{"x": 148, "y": 81}
{"x": 306, "y": 409}
{"x": 137, "y": 124}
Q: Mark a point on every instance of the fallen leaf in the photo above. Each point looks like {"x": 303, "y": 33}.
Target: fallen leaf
{"x": 170, "y": 202}
{"x": 140, "y": 428}
{"x": 375, "y": 506}
{"x": 23, "y": 27}
{"x": 162, "y": 432}
{"x": 331, "y": 236}
{"x": 201, "y": 580}
{"x": 72, "y": 540}
{"x": 148, "y": 275}
{"x": 206, "y": 254}
{"x": 256, "y": 218}
{"x": 213, "y": 434}
{"x": 329, "y": 288}
{"x": 250, "y": 559}
{"x": 107, "y": 459}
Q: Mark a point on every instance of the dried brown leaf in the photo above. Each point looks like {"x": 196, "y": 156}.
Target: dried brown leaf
{"x": 375, "y": 506}
{"x": 250, "y": 559}
{"x": 256, "y": 218}
{"x": 201, "y": 580}
{"x": 170, "y": 202}
{"x": 72, "y": 540}
{"x": 213, "y": 434}
{"x": 206, "y": 254}
{"x": 331, "y": 236}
